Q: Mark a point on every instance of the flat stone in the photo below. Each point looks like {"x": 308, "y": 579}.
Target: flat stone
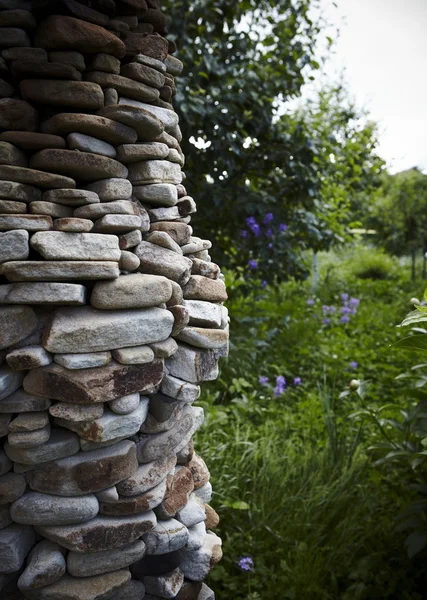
{"x": 156, "y": 260}
{"x": 75, "y": 59}
{"x": 196, "y": 536}
{"x": 204, "y": 314}
{"x": 25, "y": 222}
{"x": 73, "y": 225}
{"x": 147, "y": 476}
{"x": 167, "y": 536}
{"x": 90, "y": 386}
{"x": 58, "y": 33}
{"x": 87, "y": 143}
{"x": 71, "y": 94}
{"x": 154, "y": 46}
{"x": 173, "y": 65}
{"x": 4, "y": 424}
{"x": 15, "y": 543}
{"x": 77, "y": 412}
{"x": 23, "y": 69}
{"x": 204, "y": 492}
{"x": 151, "y": 62}
{"x": 154, "y": 171}
{"x": 110, "y": 425}
{"x": 42, "y": 293}
{"x": 29, "y": 439}
{"x": 50, "y": 208}
{"x": 203, "y": 288}
{"x": 151, "y": 447}
{"x": 97, "y": 563}
{"x": 58, "y": 245}
{"x": 134, "y": 590}
{"x": 5, "y": 463}
{"x": 110, "y": 96}
{"x": 16, "y": 114}
{"x": 163, "y": 239}
{"x": 35, "y": 178}
{"x": 196, "y": 245}
{"x": 179, "y": 232}
{"x": 80, "y": 165}
{"x": 164, "y": 586}
{"x": 61, "y": 444}
{"x": 89, "y": 588}
{"x": 186, "y": 206}
{"x": 196, "y": 565}
{"x": 73, "y": 198}
{"x": 85, "y": 472}
{"x": 138, "y": 355}
{"x": 20, "y": 401}
{"x": 185, "y": 454}
{"x": 165, "y": 349}
{"x": 12, "y": 486}
{"x": 8, "y": 207}
{"x": 118, "y": 223}
{"x": 147, "y": 126}
{"x": 131, "y": 291}
{"x": 125, "y": 404}
{"x": 164, "y": 213}
{"x": 87, "y": 360}
{"x": 111, "y": 189}
{"x": 45, "y": 565}
{"x": 28, "y": 140}
{"x": 124, "y": 85}
{"x": 105, "y": 62}
{"x": 144, "y": 74}
{"x": 193, "y": 365}
{"x": 135, "y": 504}
{"x": 192, "y": 513}
{"x": 131, "y": 153}
{"x": 13, "y": 36}
{"x": 101, "y": 533}
{"x": 203, "y": 337}
{"x": 91, "y": 330}
{"x": 28, "y": 357}
{"x": 10, "y": 155}
{"x": 169, "y": 118}
{"x": 45, "y": 510}
{"x": 20, "y": 53}
{"x": 60, "y": 270}
{"x": 108, "y": 495}
{"x": 129, "y": 261}
{"x": 29, "y": 421}
{"x": 10, "y": 381}
{"x": 130, "y": 240}
{"x": 14, "y": 245}
{"x": 17, "y": 18}
{"x": 100, "y": 127}
{"x": 179, "y": 487}
{"x": 6, "y": 90}
{"x": 164, "y": 413}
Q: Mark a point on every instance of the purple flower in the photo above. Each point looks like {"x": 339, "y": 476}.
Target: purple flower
{"x": 326, "y": 321}
{"x": 297, "y": 381}
{"x": 268, "y": 218}
{"x": 354, "y": 302}
{"x": 253, "y": 264}
{"x": 354, "y": 364}
{"x": 325, "y": 309}
{"x": 282, "y": 227}
{"x": 353, "y": 311}
{"x": 244, "y": 234}
{"x": 345, "y": 319}
{"x": 269, "y": 232}
{"x": 332, "y": 309}
{"x": 263, "y": 380}
{"x": 263, "y": 284}
{"x": 270, "y": 246}
{"x": 253, "y": 226}
{"x": 250, "y": 221}
{"x": 245, "y": 563}
{"x": 310, "y": 302}
{"x": 280, "y": 385}
{"x": 344, "y": 297}
{"x": 345, "y": 310}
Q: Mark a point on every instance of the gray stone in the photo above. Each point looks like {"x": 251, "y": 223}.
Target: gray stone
{"x": 164, "y": 586}
{"x": 10, "y": 381}
{"x": 87, "y": 143}
{"x": 90, "y": 330}
{"x": 57, "y": 245}
{"x": 61, "y": 443}
{"x": 27, "y": 222}
{"x": 8, "y": 207}
{"x": 150, "y": 61}
{"x": 94, "y": 125}
{"x": 9, "y": 154}
{"x": 204, "y": 337}
{"x": 193, "y": 365}
{"x": 16, "y": 324}
{"x": 89, "y": 588}
{"x": 146, "y": 125}
{"x": 161, "y": 238}
{"x": 77, "y": 412}
{"x": 124, "y": 85}
{"x": 196, "y": 245}
{"x": 196, "y": 536}
{"x": 131, "y": 291}
{"x": 101, "y": 533}
{"x": 203, "y": 288}
{"x": 134, "y": 504}
{"x": 169, "y": 118}
{"x": 43, "y": 509}
{"x": 4, "y": 424}
{"x": 95, "y": 211}
{"x": 88, "y": 360}
{"x": 5, "y": 463}
{"x": 60, "y": 270}
{"x": 125, "y": 404}
{"x": 51, "y": 209}
{"x": 192, "y": 513}
{"x": 204, "y": 493}
{"x": 179, "y": 232}
{"x": 144, "y": 74}
{"x": 161, "y": 261}
{"x": 97, "y": 563}
{"x": 31, "y": 140}
{"x": 29, "y": 439}
{"x": 85, "y": 472}
{"x": 131, "y": 153}
{"x": 154, "y": 171}
{"x": 30, "y": 357}
{"x": 118, "y": 223}
{"x": 105, "y": 62}
{"x": 29, "y": 421}
{"x": 111, "y": 97}
{"x": 33, "y": 177}
{"x": 12, "y": 486}
{"x": 20, "y": 401}
{"x": 180, "y": 389}
{"x": 165, "y": 349}
{"x": 167, "y": 536}
{"x": 17, "y": 53}
{"x": 75, "y": 59}
{"x": 130, "y": 240}
{"x": 138, "y": 355}
{"x": 161, "y": 194}
{"x": 164, "y": 413}
{"x": 196, "y": 565}
{"x": 111, "y": 189}
{"x": 84, "y": 166}
{"x": 15, "y": 543}
{"x": 168, "y": 213}
{"x": 185, "y": 454}
{"x": 110, "y": 426}
{"x": 45, "y": 565}
{"x": 42, "y": 293}
{"x": 173, "y": 65}
{"x": 74, "y": 198}
{"x": 134, "y": 590}
{"x": 204, "y": 314}
{"x": 5, "y": 520}
{"x": 108, "y": 495}
{"x": 80, "y": 95}
{"x": 14, "y": 245}
{"x": 147, "y": 476}
{"x": 207, "y": 269}
{"x": 17, "y": 114}
{"x": 129, "y": 261}
{"x": 73, "y": 225}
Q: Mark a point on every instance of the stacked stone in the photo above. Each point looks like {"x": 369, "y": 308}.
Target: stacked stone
{"x": 111, "y": 312}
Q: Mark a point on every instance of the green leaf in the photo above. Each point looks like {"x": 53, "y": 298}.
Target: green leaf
{"x": 414, "y": 343}
{"x": 240, "y": 505}
{"x": 416, "y": 542}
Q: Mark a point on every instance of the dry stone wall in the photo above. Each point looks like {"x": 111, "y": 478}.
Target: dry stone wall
{"x": 111, "y": 312}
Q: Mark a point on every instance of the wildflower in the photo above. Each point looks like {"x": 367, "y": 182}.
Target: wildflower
{"x": 297, "y": 381}
{"x": 310, "y": 302}
{"x": 253, "y": 226}
{"x": 253, "y": 264}
{"x": 282, "y": 227}
{"x": 332, "y": 309}
{"x": 245, "y": 563}
{"x": 345, "y": 319}
{"x": 354, "y": 364}
{"x": 345, "y": 310}
{"x": 269, "y": 232}
{"x": 344, "y": 297}
{"x": 270, "y": 246}
{"x": 263, "y": 284}
{"x": 414, "y": 301}
{"x": 263, "y": 380}
{"x": 326, "y": 321}
{"x": 354, "y": 302}
{"x": 268, "y": 218}
{"x": 325, "y": 309}
{"x": 244, "y": 234}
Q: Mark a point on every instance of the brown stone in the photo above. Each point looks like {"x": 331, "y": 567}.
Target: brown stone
{"x": 97, "y": 126}
{"x": 27, "y": 222}
{"x": 8, "y": 207}
{"x": 127, "y": 87}
{"x": 147, "y": 476}
{"x": 151, "y": 45}
{"x": 144, "y": 74}
{"x": 89, "y": 386}
{"x": 79, "y": 165}
{"x": 44, "y": 70}
{"x": 12, "y": 37}
{"x": 179, "y": 488}
{"x": 68, "y": 57}
{"x": 85, "y": 472}
{"x": 17, "y": 18}
{"x": 32, "y": 141}
{"x": 179, "y": 232}
{"x": 10, "y": 155}
{"x": 181, "y": 316}
{"x": 98, "y": 587}
{"x": 212, "y": 518}
{"x": 17, "y": 114}
{"x": 203, "y": 288}
{"x": 36, "y": 178}
{"x": 66, "y": 33}
{"x": 72, "y": 8}
{"x": 6, "y": 90}
{"x": 136, "y": 504}
{"x": 199, "y": 471}
{"x": 72, "y": 94}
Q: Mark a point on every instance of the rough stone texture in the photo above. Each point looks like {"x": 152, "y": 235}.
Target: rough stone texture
{"x": 96, "y": 563}
{"x": 16, "y": 323}
{"x": 45, "y": 565}
{"x": 45, "y": 509}
{"x": 57, "y": 245}
{"x": 90, "y": 588}
{"x": 131, "y": 291}
{"x": 167, "y": 536}
{"x": 15, "y": 543}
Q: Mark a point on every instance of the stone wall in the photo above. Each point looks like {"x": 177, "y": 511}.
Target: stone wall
{"x": 111, "y": 312}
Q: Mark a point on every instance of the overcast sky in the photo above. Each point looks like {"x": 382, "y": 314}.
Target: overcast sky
{"x": 383, "y": 49}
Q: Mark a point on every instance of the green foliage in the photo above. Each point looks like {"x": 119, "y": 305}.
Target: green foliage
{"x": 370, "y": 263}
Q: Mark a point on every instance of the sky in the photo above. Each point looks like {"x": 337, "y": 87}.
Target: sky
{"x": 382, "y": 49}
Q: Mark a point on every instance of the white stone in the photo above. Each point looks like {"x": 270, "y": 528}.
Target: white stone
{"x": 180, "y": 389}
{"x": 42, "y": 293}
{"x": 14, "y": 245}
{"x": 88, "y": 360}
{"x": 154, "y": 171}
{"x": 45, "y": 565}
{"x": 196, "y": 536}
{"x": 59, "y": 245}
{"x": 87, "y": 143}
{"x": 168, "y": 536}
{"x": 126, "y": 404}
{"x": 111, "y": 189}
{"x": 204, "y": 314}
{"x": 192, "y": 513}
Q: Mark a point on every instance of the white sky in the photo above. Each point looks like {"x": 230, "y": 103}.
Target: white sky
{"x": 383, "y": 49}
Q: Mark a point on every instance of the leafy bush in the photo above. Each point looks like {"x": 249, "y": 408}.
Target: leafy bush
{"x": 371, "y": 263}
